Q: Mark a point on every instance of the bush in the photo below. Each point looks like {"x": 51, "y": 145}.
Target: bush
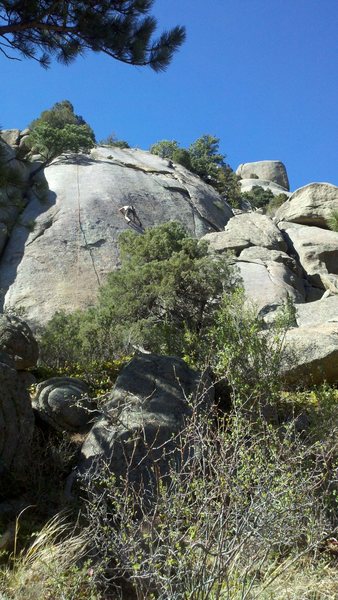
{"x": 164, "y": 298}
{"x": 59, "y": 130}
{"x": 275, "y": 203}
{"x": 333, "y": 221}
{"x": 230, "y": 519}
{"x": 164, "y": 149}
{"x": 114, "y": 142}
{"x": 203, "y": 158}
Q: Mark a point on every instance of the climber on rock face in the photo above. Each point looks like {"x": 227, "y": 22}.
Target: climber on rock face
{"x": 130, "y": 215}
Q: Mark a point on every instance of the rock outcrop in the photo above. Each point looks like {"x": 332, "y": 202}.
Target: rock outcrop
{"x": 72, "y": 235}
{"x": 17, "y": 339}
{"x": 313, "y": 354}
{"x": 148, "y": 407}
{"x": 64, "y": 403}
{"x": 317, "y": 252}
{"x": 18, "y": 351}
{"x": 312, "y": 204}
{"x": 245, "y": 230}
{"x": 248, "y": 184}
{"x": 270, "y": 170}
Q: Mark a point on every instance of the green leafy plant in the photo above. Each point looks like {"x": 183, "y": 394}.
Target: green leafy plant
{"x": 333, "y": 221}
{"x": 274, "y": 204}
{"x": 168, "y": 284}
{"x": 242, "y": 506}
{"x": 59, "y": 130}
{"x": 113, "y": 141}
{"x": 203, "y": 158}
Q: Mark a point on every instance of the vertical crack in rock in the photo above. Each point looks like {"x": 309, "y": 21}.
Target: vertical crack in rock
{"x": 82, "y": 229}
{"x": 194, "y": 207}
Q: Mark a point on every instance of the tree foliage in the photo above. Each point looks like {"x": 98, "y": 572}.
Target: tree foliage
{"x": 59, "y": 130}
{"x": 164, "y": 297}
{"x": 122, "y": 29}
{"x": 203, "y": 158}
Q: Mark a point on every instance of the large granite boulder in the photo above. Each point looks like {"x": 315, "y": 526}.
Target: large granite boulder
{"x": 72, "y": 236}
{"x": 16, "y": 419}
{"x": 270, "y": 170}
{"x": 269, "y": 284}
{"x": 317, "y": 251}
{"x": 264, "y": 256}
{"x": 64, "y": 403}
{"x": 245, "y": 230}
{"x": 148, "y": 407}
{"x": 324, "y": 310}
{"x": 312, "y": 204}
{"x": 312, "y": 355}
{"x": 16, "y": 338}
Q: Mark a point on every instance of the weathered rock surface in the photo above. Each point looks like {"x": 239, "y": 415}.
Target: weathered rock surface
{"x": 264, "y": 256}
{"x": 16, "y": 419}
{"x": 148, "y": 407}
{"x": 324, "y": 310}
{"x": 317, "y": 252}
{"x": 270, "y": 170}
{"x": 10, "y": 136}
{"x": 314, "y": 354}
{"x": 248, "y": 184}
{"x": 63, "y": 402}
{"x": 270, "y": 284}
{"x": 16, "y": 338}
{"x": 245, "y": 230}
{"x": 63, "y": 248}
{"x": 312, "y": 204}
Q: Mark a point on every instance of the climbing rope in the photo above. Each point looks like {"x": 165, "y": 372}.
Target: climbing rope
{"x": 83, "y": 234}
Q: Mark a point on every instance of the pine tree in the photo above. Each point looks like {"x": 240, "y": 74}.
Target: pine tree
{"x": 122, "y": 29}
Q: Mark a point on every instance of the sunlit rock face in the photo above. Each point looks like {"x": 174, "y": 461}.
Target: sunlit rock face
{"x": 64, "y": 245}
{"x": 270, "y": 170}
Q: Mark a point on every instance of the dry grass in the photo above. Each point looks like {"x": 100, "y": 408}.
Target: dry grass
{"x": 49, "y": 568}
{"x": 306, "y": 581}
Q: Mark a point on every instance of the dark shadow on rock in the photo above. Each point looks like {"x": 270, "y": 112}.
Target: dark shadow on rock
{"x": 14, "y": 249}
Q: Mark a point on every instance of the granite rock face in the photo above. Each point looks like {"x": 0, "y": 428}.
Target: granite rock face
{"x": 271, "y": 170}
{"x": 16, "y": 419}
{"x": 317, "y": 252}
{"x": 269, "y": 284}
{"x": 16, "y": 338}
{"x": 64, "y": 403}
{"x": 324, "y": 310}
{"x": 245, "y": 230}
{"x": 63, "y": 247}
{"x": 148, "y": 407}
{"x": 312, "y": 204}
{"x": 314, "y": 354}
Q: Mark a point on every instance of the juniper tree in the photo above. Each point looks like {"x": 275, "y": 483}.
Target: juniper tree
{"x": 59, "y": 130}
{"x": 122, "y": 29}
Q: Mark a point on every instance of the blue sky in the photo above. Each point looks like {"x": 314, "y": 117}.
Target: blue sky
{"x": 259, "y": 74}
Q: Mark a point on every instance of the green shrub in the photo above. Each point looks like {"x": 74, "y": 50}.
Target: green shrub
{"x": 333, "y": 221}
{"x": 165, "y": 149}
{"x": 203, "y": 158}
{"x": 274, "y": 204}
{"x": 59, "y": 130}
{"x": 227, "y": 522}
{"x": 168, "y": 285}
{"x": 114, "y": 142}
